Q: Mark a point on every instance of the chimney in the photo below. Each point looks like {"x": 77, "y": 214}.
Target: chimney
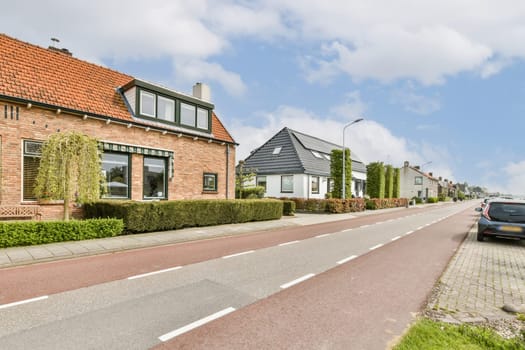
{"x": 202, "y": 92}
{"x": 440, "y": 178}
{"x": 52, "y": 47}
{"x": 406, "y": 164}
{"x": 430, "y": 174}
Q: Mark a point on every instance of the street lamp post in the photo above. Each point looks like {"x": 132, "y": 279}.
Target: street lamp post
{"x": 344, "y": 155}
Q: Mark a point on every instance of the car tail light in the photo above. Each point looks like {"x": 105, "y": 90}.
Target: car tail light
{"x": 485, "y": 212}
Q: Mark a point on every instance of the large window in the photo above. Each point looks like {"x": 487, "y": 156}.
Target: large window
{"x": 261, "y": 181}
{"x": 287, "y": 184}
{"x": 154, "y": 178}
{"x": 330, "y": 185}
{"x": 210, "y": 182}
{"x": 202, "y": 118}
{"x": 418, "y": 180}
{"x": 315, "y": 184}
{"x": 116, "y": 170}
{"x": 32, "y": 155}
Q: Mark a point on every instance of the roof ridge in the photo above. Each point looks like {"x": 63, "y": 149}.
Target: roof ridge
{"x": 62, "y": 55}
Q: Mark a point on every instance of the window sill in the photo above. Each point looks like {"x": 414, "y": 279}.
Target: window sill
{"x": 210, "y": 192}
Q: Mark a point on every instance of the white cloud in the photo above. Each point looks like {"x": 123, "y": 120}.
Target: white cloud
{"x": 415, "y": 102}
{"x": 514, "y": 172}
{"x": 370, "y": 140}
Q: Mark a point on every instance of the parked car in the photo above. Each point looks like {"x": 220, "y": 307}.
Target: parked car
{"x": 502, "y": 218}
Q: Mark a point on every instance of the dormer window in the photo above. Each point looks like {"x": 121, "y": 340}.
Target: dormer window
{"x": 160, "y": 104}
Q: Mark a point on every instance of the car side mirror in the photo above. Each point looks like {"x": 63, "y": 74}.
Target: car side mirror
{"x": 478, "y": 209}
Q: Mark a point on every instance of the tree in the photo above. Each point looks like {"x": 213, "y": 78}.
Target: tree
{"x": 397, "y": 183}
{"x": 389, "y": 181}
{"x": 69, "y": 169}
{"x": 242, "y": 177}
{"x": 375, "y": 175}
{"x": 336, "y": 172}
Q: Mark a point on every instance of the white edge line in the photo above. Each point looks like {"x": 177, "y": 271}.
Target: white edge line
{"x": 238, "y": 254}
{"x": 347, "y": 259}
{"x": 363, "y": 226}
{"x": 396, "y": 238}
{"x": 376, "y": 246}
{"x": 288, "y": 243}
{"x": 5, "y": 306}
{"x": 323, "y": 235}
{"x": 348, "y": 229}
{"x": 408, "y": 233}
{"x": 299, "y": 280}
{"x": 195, "y": 324}
{"x": 154, "y": 272}
{"x": 379, "y": 222}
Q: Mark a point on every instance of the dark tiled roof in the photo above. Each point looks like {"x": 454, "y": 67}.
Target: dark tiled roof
{"x": 295, "y": 156}
{"x": 31, "y": 73}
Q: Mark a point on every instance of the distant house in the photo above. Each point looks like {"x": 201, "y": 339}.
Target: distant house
{"x": 293, "y": 164}
{"x": 158, "y": 144}
{"x": 415, "y": 183}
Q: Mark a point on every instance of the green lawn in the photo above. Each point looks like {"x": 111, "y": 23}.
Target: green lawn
{"x": 429, "y": 335}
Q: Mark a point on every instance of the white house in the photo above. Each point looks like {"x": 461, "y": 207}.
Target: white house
{"x": 293, "y": 164}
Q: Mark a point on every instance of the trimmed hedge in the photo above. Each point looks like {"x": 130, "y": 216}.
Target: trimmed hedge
{"x": 170, "y": 215}
{"x": 331, "y": 205}
{"x": 432, "y": 199}
{"x": 376, "y": 203}
{"x": 21, "y": 233}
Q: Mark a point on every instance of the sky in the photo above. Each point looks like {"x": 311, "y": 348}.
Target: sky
{"x": 440, "y": 84}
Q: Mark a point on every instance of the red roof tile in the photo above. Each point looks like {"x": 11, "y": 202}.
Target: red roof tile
{"x": 36, "y": 74}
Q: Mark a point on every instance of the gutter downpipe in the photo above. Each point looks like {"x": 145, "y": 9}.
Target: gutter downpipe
{"x": 227, "y": 170}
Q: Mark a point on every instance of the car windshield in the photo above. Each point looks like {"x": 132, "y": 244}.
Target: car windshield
{"x": 507, "y": 212}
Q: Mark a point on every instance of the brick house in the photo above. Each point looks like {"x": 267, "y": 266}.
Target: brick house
{"x": 158, "y": 143}
{"x": 416, "y": 183}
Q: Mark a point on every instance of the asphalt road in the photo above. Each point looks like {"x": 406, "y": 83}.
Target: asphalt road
{"x": 351, "y": 284}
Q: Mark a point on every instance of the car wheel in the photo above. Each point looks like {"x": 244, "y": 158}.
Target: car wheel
{"x": 480, "y": 237}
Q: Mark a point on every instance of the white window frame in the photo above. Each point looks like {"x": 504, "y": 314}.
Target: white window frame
{"x": 144, "y": 93}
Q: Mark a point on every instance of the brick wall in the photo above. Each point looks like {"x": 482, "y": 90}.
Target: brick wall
{"x": 191, "y": 157}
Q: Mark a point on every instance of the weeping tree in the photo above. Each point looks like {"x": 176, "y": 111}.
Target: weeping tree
{"x": 70, "y": 170}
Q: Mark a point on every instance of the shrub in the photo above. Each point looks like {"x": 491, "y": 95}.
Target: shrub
{"x": 169, "y": 215}
{"x": 331, "y": 205}
{"x": 376, "y": 203}
{"x": 432, "y": 199}
{"x": 252, "y": 192}
{"x": 22, "y": 233}
{"x": 417, "y": 200}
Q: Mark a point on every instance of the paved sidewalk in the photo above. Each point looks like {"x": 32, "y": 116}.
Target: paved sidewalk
{"x": 480, "y": 279}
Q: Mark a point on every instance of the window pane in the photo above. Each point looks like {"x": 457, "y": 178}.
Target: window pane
{"x": 187, "y": 114}
{"x": 210, "y": 182}
{"x": 166, "y": 109}
{"x": 147, "y": 103}
{"x": 115, "y": 167}
{"x": 287, "y": 183}
{"x": 315, "y": 184}
{"x": 31, "y": 164}
{"x": 202, "y": 118}
{"x": 154, "y": 178}
{"x": 32, "y": 153}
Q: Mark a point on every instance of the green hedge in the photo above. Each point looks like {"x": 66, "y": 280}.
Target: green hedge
{"x": 432, "y": 199}
{"x": 251, "y": 192}
{"x": 331, "y": 205}
{"x": 22, "y": 233}
{"x": 376, "y": 203}
{"x": 170, "y": 215}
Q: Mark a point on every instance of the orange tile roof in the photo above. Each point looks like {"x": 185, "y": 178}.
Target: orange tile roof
{"x": 29, "y": 72}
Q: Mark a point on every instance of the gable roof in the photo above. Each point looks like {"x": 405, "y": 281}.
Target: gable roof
{"x": 295, "y": 155}
{"x": 49, "y": 78}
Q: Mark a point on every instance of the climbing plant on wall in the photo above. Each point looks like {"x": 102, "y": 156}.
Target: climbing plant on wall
{"x": 70, "y": 169}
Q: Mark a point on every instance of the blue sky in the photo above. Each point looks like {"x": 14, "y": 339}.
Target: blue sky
{"x": 440, "y": 83}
